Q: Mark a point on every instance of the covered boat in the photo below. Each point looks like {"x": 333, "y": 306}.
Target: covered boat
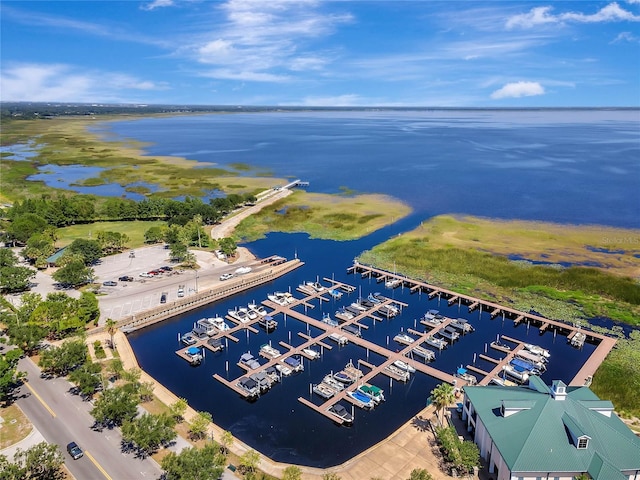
{"x": 374, "y": 393}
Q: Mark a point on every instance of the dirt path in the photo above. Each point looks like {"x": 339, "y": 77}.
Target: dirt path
{"x": 226, "y": 228}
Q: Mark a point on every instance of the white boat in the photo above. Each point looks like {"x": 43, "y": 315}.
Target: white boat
{"x": 538, "y": 350}
{"x": 358, "y": 306}
{"x": 404, "y": 366}
{"x": 324, "y": 390}
{"x": 463, "y": 325}
{"x": 207, "y": 326}
{"x": 267, "y": 322}
{"x": 393, "y": 283}
{"x": 336, "y": 294}
{"x": 312, "y": 353}
{"x": 537, "y": 360}
{"x": 338, "y": 410}
{"x": 425, "y": 353}
{"x": 404, "y": 338}
{"x": 278, "y": 297}
{"x": 339, "y": 339}
{"x": 315, "y": 286}
{"x": 326, "y": 318}
{"x": 578, "y": 339}
{"x": 463, "y": 374}
{"x": 283, "y": 369}
{"x": 219, "y": 323}
{"x": 259, "y": 309}
{"x": 239, "y": 314}
{"x": 252, "y": 314}
{"x": 268, "y": 351}
{"x": 398, "y": 373}
{"x": 436, "y": 342}
{"x": 374, "y": 393}
{"x": 511, "y": 372}
{"x": 333, "y": 383}
{"x": 361, "y": 400}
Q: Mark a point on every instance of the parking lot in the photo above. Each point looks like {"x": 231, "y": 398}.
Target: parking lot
{"x": 144, "y": 292}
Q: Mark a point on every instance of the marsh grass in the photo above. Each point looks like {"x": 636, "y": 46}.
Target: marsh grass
{"x": 324, "y": 216}
{"x": 66, "y": 141}
{"x": 434, "y": 253}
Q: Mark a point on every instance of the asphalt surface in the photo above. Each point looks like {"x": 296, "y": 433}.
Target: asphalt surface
{"x": 62, "y": 417}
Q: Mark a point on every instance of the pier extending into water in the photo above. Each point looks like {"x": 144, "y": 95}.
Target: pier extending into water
{"x": 604, "y": 343}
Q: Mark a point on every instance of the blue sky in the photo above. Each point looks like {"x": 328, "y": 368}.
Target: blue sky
{"x": 322, "y": 53}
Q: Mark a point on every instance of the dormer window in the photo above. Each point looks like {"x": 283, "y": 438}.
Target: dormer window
{"x": 583, "y": 442}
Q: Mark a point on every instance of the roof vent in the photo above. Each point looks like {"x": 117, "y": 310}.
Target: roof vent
{"x": 558, "y": 390}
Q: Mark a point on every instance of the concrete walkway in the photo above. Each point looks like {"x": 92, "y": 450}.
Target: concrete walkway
{"x": 27, "y": 442}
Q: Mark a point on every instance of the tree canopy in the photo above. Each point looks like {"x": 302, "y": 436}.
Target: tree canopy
{"x": 194, "y": 463}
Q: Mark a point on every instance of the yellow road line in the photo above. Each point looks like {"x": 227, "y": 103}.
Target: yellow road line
{"x": 98, "y": 466}
{"x": 40, "y": 399}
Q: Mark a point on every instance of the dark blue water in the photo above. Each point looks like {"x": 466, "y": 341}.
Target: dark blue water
{"x": 572, "y": 166}
{"x": 576, "y": 167}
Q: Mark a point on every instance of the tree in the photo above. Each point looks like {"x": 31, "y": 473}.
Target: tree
{"x": 228, "y": 246}
{"x": 42, "y": 461}
{"x": 91, "y": 250}
{"x": 249, "y": 461}
{"x": 9, "y": 374}
{"x": 112, "y": 242}
{"x": 15, "y": 279}
{"x": 114, "y": 406}
{"x": 154, "y": 234}
{"x": 58, "y": 314}
{"x": 65, "y": 358}
{"x": 39, "y": 248}
{"x": 420, "y": 474}
{"x": 115, "y": 368}
{"x": 149, "y": 431}
{"x": 199, "y": 425}
{"x": 292, "y": 472}
{"x": 469, "y": 456}
{"x": 226, "y": 440}
{"x": 442, "y": 396}
{"x": 194, "y": 464}
{"x": 88, "y": 308}
{"x": 178, "y": 251}
{"x": 22, "y": 227}
{"x": 331, "y": 476}
{"x": 178, "y": 409}
{"x": 112, "y": 327}
{"x": 74, "y": 273}
{"x": 87, "y": 377}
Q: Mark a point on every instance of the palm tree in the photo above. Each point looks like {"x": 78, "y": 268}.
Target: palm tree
{"x": 111, "y": 328}
{"x": 442, "y": 396}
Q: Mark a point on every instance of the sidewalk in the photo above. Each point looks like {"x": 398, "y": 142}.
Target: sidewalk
{"x": 29, "y": 441}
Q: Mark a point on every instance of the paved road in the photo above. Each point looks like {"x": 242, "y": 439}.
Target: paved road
{"x": 69, "y": 420}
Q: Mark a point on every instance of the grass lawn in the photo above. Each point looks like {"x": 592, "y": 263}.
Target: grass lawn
{"x": 15, "y": 426}
{"x": 133, "y": 229}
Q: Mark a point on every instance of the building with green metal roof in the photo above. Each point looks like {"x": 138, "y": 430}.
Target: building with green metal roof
{"x": 549, "y": 432}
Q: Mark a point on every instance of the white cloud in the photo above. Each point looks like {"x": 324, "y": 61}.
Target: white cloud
{"x": 266, "y": 40}
{"x": 518, "y": 89}
{"x": 58, "y": 82}
{"x": 626, "y": 37}
{"x": 157, "y": 4}
{"x": 542, "y": 15}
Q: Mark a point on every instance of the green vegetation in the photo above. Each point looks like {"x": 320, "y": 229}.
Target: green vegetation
{"x": 463, "y": 455}
{"x": 194, "y": 463}
{"x": 66, "y": 141}
{"x": 618, "y": 379}
{"x": 473, "y": 268}
{"x": 40, "y": 461}
{"x": 324, "y": 216}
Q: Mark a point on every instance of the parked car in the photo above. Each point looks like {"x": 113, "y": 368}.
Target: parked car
{"x": 109, "y": 283}
{"x": 163, "y": 298}
{"x": 226, "y": 276}
{"x": 166, "y": 268}
{"x": 74, "y": 450}
{"x": 181, "y": 291}
{"x": 126, "y": 278}
{"x": 146, "y": 275}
